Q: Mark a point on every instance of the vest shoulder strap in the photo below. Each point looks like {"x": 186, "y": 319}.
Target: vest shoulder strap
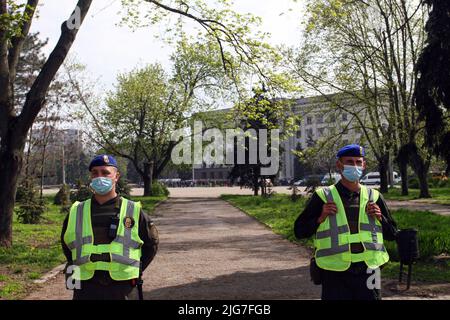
{"x": 325, "y": 194}
{"x": 373, "y": 194}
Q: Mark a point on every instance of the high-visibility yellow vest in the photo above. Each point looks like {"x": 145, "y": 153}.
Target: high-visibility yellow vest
{"x": 124, "y": 250}
{"x": 333, "y": 237}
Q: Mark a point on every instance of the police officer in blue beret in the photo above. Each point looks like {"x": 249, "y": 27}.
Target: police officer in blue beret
{"x": 350, "y": 223}
{"x": 108, "y": 240}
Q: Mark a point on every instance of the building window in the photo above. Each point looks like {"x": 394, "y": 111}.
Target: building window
{"x": 332, "y": 118}
{"x": 299, "y": 134}
{"x": 319, "y": 119}
{"x": 309, "y": 133}
{"x": 308, "y": 120}
{"x": 320, "y": 132}
{"x": 344, "y": 117}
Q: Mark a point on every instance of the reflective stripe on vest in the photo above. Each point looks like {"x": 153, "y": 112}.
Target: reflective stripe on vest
{"x": 333, "y": 232}
{"x": 335, "y": 254}
{"x": 124, "y": 250}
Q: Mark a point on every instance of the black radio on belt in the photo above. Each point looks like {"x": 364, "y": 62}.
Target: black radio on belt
{"x": 112, "y": 232}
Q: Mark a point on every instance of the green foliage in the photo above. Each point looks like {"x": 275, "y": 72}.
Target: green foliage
{"x": 12, "y": 21}
{"x": 158, "y": 189}
{"x": 413, "y": 183}
{"x": 149, "y": 105}
{"x": 122, "y": 188}
{"x": 62, "y": 198}
{"x": 21, "y": 192}
{"x": 444, "y": 183}
{"x": 312, "y": 184}
{"x": 295, "y": 195}
{"x": 31, "y": 206}
{"x": 260, "y": 112}
{"x": 83, "y": 192}
{"x": 263, "y": 112}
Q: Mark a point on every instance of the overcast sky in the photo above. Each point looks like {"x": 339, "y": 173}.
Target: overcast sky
{"x": 108, "y": 49}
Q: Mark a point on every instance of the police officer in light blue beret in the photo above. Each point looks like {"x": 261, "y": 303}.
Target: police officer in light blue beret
{"x": 108, "y": 240}
{"x": 350, "y": 223}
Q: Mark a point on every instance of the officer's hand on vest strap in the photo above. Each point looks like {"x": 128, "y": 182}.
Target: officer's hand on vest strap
{"x": 327, "y": 209}
{"x": 374, "y": 210}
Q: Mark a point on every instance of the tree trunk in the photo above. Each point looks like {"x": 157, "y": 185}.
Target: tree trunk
{"x": 148, "y": 179}
{"x": 42, "y": 171}
{"x": 255, "y": 185}
{"x": 383, "y": 163}
{"x": 402, "y": 161}
{"x": 420, "y": 167}
{"x": 423, "y": 182}
{"x": 404, "y": 175}
{"x": 255, "y": 189}
{"x": 11, "y": 161}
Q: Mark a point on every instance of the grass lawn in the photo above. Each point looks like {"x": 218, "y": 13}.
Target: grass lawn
{"x": 279, "y": 213}
{"x": 36, "y": 249}
{"x": 439, "y": 195}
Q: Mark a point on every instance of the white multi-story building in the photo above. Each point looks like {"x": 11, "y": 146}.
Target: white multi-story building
{"x": 319, "y": 121}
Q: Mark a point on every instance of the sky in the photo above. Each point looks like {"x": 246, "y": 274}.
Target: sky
{"x": 107, "y": 49}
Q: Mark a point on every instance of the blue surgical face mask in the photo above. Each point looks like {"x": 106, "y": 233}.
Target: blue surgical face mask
{"x": 352, "y": 173}
{"x": 102, "y": 185}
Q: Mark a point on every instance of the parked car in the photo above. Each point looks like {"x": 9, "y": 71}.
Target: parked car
{"x": 312, "y": 179}
{"x": 373, "y": 178}
{"x": 335, "y": 177}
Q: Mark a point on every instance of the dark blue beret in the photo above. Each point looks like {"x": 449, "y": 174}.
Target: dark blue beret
{"x": 351, "y": 150}
{"x": 103, "y": 160}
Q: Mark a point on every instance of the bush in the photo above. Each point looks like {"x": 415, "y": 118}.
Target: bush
{"x": 444, "y": 184}
{"x": 295, "y": 195}
{"x": 312, "y": 184}
{"x": 158, "y": 189}
{"x": 20, "y": 193}
{"x": 413, "y": 183}
{"x": 122, "y": 188}
{"x": 82, "y": 193}
{"x": 434, "y": 182}
{"x": 31, "y": 207}
{"x": 63, "y": 195}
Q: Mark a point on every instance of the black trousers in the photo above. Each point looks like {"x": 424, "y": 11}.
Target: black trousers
{"x": 351, "y": 284}
{"x": 92, "y": 290}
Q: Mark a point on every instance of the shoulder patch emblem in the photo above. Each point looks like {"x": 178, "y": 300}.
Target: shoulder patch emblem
{"x": 128, "y": 222}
